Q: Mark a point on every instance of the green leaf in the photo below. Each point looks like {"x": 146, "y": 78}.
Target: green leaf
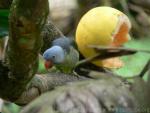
{"x": 4, "y": 13}
{"x": 41, "y": 68}
{"x": 135, "y": 63}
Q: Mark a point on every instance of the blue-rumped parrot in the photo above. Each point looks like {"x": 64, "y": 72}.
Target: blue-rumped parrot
{"x": 62, "y": 55}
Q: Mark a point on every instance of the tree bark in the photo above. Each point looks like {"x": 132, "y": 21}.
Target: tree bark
{"x": 27, "y": 19}
{"x": 107, "y": 95}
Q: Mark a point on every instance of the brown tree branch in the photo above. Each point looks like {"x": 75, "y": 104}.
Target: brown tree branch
{"x": 107, "y": 95}
{"x": 43, "y": 83}
{"x": 49, "y": 33}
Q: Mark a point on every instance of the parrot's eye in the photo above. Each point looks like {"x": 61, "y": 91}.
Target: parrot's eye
{"x": 53, "y": 57}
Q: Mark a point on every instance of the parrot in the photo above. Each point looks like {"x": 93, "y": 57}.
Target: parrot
{"x": 102, "y": 26}
{"x": 62, "y": 55}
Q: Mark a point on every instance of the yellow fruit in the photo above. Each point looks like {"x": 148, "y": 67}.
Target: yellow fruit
{"x": 103, "y": 26}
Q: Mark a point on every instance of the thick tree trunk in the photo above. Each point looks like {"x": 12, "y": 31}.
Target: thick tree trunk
{"x": 27, "y": 19}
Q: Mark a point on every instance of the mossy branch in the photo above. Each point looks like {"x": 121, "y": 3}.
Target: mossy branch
{"x": 26, "y": 20}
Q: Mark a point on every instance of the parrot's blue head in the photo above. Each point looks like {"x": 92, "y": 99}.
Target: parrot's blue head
{"x": 54, "y": 55}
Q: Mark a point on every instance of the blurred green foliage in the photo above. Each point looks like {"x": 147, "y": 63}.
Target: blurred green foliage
{"x": 4, "y": 13}
{"x": 135, "y": 63}
{"x": 41, "y": 68}
{"x": 10, "y": 108}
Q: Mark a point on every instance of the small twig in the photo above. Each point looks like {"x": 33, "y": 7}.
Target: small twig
{"x": 87, "y": 59}
{"x": 109, "y": 52}
{"x": 125, "y": 6}
{"x": 101, "y": 73}
{"x": 116, "y": 49}
{"x": 145, "y": 69}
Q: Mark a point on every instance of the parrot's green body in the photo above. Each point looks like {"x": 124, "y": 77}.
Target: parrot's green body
{"x": 70, "y": 61}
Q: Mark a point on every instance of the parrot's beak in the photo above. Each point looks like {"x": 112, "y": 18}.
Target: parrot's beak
{"x": 48, "y": 64}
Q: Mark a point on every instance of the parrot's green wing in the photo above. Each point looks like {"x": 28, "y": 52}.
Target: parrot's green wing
{"x": 70, "y": 61}
{"x": 4, "y": 13}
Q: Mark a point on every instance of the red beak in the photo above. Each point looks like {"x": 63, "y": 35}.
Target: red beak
{"x": 48, "y": 64}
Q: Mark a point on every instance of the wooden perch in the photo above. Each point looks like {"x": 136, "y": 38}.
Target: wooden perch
{"x": 43, "y": 83}
{"x": 108, "y": 94}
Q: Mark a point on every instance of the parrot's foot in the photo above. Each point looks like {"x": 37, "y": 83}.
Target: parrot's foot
{"x": 75, "y": 73}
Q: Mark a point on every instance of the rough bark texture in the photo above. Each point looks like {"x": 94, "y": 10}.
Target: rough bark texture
{"x": 106, "y": 95}
{"x": 44, "y": 83}
{"x": 49, "y": 33}
{"x": 26, "y": 22}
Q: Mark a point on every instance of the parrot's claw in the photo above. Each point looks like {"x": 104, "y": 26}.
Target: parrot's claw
{"x": 75, "y": 73}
